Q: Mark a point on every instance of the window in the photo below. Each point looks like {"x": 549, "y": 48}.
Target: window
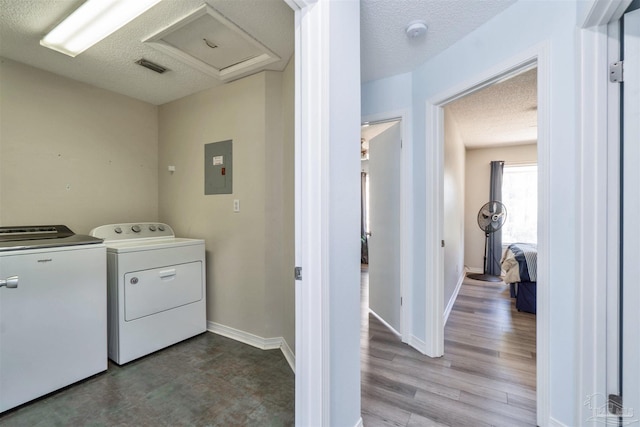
{"x": 520, "y": 196}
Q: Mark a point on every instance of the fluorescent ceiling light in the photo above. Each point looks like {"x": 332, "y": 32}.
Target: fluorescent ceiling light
{"x": 92, "y": 22}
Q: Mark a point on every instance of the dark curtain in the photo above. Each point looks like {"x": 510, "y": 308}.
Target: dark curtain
{"x": 494, "y": 246}
{"x": 364, "y": 250}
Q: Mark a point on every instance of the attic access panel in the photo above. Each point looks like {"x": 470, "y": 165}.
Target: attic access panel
{"x": 211, "y": 43}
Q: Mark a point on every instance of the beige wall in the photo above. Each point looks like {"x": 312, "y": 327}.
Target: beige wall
{"x": 248, "y": 251}
{"x": 454, "y": 191}
{"x": 73, "y": 154}
{"x": 477, "y": 194}
{"x": 113, "y": 151}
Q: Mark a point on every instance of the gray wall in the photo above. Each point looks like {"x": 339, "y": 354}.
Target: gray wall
{"x": 74, "y": 154}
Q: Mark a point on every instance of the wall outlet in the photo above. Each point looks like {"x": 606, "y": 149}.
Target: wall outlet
{"x": 236, "y": 205}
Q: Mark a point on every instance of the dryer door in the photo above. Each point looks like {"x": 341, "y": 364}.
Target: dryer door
{"x": 147, "y": 292}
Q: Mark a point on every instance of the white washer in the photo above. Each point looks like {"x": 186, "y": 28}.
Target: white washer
{"x": 156, "y": 288}
{"x": 53, "y": 311}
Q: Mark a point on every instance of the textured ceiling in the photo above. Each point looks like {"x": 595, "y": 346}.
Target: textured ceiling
{"x": 505, "y": 113}
{"x": 385, "y": 49}
{"x": 110, "y": 63}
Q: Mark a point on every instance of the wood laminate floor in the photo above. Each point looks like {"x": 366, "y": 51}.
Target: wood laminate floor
{"x": 487, "y": 376}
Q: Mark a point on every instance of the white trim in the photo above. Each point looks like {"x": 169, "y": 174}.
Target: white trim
{"x": 254, "y": 341}
{"x": 288, "y": 354}
{"x": 434, "y": 328}
{"x": 360, "y": 423}
{"x": 474, "y": 270}
{"x": 452, "y": 300}
{"x": 312, "y": 343}
{"x": 418, "y": 344}
{"x": 555, "y": 423}
{"x": 244, "y": 337}
{"x": 536, "y": 56}
{"x": 602, "y": 12}
{"x": 406, "y": 216}
{"x": 224, "y": 74}
{"x": 598, "y": 205}
{"x": 543, "y": 304}
{"x": 388, "y": 326}
{"x": 591, "y": 271}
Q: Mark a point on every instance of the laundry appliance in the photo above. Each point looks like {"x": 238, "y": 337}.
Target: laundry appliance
{"x": 53, "y": 311}
{"x": 155, "y": 286}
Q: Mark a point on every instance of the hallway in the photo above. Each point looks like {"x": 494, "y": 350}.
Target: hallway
{"x": 486, "y": 377}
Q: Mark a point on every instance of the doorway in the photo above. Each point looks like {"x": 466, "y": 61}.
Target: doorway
{"x": 490, "y": 158}
{"x": 537, "y": 59}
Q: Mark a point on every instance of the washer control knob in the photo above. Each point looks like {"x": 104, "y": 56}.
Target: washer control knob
{"x": 160, "y": 227}
{"x": 136, "y": 228}
{"x": 118, "y": 230}
{"x": 152, "y": 227}
{"x": 134, "y": 280}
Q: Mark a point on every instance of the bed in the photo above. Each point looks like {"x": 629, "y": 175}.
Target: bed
{"x": 520, "y": 264}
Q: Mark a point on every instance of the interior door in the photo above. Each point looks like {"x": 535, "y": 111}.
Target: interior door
{"x": 384, "y": 225}
{"x": 630, "y": 373}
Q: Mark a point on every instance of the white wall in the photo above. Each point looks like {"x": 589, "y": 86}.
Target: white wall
{"x": 477, "y": 183}
{"x": 247, "y": 252}
{"x": 74, "y": 154}
{"x": 454, "y": 213}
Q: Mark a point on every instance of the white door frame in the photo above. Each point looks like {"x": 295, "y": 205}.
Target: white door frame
{"x": 312, "y": 341}
{"x": 537, "y": 56}
{"x": 406, "y": 217}
{"x": 319, "y": 26}
{"x": 598, "y": 198}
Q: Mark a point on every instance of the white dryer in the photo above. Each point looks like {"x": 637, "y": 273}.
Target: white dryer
{"x": 155, "y": 288}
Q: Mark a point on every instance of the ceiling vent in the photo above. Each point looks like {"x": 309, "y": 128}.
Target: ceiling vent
{"x": 209, "y": 42}
{"x": 151, "y": 65}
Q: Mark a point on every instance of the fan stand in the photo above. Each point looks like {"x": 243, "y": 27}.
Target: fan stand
{"x": 485, "y": 277}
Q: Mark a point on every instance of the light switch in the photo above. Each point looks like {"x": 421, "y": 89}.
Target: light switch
{"x": 236, "y": 205}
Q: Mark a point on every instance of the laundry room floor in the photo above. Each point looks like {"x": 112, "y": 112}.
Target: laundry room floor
{"x": 208, "y": 380}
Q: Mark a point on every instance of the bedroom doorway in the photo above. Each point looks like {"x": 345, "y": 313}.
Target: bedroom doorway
{"x": 496, "y": 122}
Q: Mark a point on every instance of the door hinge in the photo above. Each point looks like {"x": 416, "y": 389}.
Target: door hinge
{"x": 297, "y": 273}
{"x": 400, "y": 300}
{"x": 616, "y": 72}
{"x": 615, "y": 405}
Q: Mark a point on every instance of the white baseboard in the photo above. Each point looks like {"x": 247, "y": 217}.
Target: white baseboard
{"x": 288, "y": 354}
{"x": 555, "y": 423}
{"x": 359, "y": 423}
{"x": 391, "y": 328}
{"x": 452, "y": 300}
{"x": 418, "y": 344}
{"x": 474, "y": 270}
{"x": 254, "y": 341}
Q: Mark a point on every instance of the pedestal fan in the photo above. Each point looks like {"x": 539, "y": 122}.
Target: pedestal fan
{"x": 491, "y": 218}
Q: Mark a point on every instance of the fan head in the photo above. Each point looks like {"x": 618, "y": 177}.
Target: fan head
{"x": 492, "y": 217}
